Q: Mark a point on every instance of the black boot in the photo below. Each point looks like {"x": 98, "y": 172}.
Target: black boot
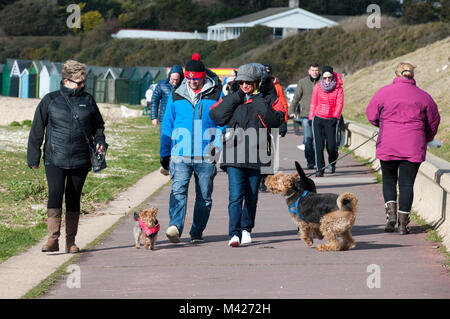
{"x": 391, "y": 217}
{"x": 403, "y": 221}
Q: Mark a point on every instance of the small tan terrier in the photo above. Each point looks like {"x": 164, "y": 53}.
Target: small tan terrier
{"x": 146, "y": 225}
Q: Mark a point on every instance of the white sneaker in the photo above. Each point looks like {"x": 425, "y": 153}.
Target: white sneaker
{"x": 173, "y": 234}
{"x": 234, "y": 241}
{"x": 246, "y": 238}
{"x": 301, "y": 147}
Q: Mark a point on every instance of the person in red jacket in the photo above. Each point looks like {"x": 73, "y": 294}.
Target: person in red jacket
{"x": 326, "y": 107}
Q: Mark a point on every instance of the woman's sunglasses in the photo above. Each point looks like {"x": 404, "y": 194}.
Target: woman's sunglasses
{"x": 245, "y": 82}
{"x": 77, "y": 83}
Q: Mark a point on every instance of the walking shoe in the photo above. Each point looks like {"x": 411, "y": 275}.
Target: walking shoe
{"x": 310, "y": 166}
{"x": 391, "y": 216}
{"x": 301, "y": 147}
{"x": 319, "y": 174}
{"x": 403, "y": 221}
{"x": 173, "y": 234}
{"x": 331, "y": 169}
{"x": 234, "y": 241}
{"x": 262, "y": 186}
{"x": 246, "y": 238}
{"x": 197, "y": 240}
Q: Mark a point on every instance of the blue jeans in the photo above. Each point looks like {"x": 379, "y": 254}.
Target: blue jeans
{"x": 243, "y": 187}
{"x": 308, "y": 140}
{"x": 181, "y": 172}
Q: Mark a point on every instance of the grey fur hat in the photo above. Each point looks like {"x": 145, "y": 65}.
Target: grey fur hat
{"x": 249, "y": 72}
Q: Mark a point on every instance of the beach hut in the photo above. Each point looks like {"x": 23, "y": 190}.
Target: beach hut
{"x": 24, "y": 84}
{"x": 110, "y": 86}
{"x": 55, "y": 76}
{"x": 33, "y": 79}
{"x": 6, "y": 76}
{"x": 16, "y": 72}
{"x": 2, "y": 67}
{"x": 146, "y": 80}
{"x": 123, "y": 85}
{"x": 44, "y": 79}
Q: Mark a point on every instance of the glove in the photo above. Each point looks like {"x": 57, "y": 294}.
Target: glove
{"x": 282, "y": 129}
{"x": 241, "y": 95}
{"x": 165, "y": 161}
{"x": 234, "y": 86}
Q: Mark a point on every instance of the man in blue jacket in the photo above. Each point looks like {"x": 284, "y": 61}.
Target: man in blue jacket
{"x": 187, "y": 136}
{"x": 161, "y": 94}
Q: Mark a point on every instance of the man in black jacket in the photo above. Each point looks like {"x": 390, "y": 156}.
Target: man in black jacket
{"x": 66, "y": 150}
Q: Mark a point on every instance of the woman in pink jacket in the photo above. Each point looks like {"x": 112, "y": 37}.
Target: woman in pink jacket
{"x": 326, "y": 107}
{"x": 408, "y": 118}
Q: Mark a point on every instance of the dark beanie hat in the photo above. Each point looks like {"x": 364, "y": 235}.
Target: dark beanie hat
{"x": 195, "y": 68}
{"x": 327, "y": 69}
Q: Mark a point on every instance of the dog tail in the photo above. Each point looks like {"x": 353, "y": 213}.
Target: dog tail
{"x": 347, "y": 202}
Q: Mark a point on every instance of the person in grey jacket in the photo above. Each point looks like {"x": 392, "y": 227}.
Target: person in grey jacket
{"x": 299, "y": 110}
{"x": 66, "y": 151}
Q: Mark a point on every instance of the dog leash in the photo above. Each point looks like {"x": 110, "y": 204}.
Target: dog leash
{"x": 346, "y": 154}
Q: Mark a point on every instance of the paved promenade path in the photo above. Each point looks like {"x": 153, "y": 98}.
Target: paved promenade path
{"x": 277, "y": 264}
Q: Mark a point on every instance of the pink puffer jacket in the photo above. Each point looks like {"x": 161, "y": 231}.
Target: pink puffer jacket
{"x": 408, "y": 118}
{"x": 327, "y": 105}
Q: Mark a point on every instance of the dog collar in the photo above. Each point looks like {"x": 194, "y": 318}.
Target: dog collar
{"x": 295, "y": 205}
{"x": 149, "y": 232}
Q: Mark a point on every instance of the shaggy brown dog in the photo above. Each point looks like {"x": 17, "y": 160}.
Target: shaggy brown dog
{"x": 146, "y": 225}
{"x": 327, "y": 215}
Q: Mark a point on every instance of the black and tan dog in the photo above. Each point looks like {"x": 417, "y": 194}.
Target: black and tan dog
{"x": 327, "y": 215}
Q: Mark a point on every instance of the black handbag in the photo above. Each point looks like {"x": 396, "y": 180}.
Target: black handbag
{"x": 98, "y": 160}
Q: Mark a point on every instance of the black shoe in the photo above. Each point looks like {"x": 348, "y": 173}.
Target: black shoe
{"x": 197, "y": 240}
{"x": 331, "y": 169}
{"x": 262, "y": 185}
{"x": 319, "y": 174}
{"x": 310, "y": 166}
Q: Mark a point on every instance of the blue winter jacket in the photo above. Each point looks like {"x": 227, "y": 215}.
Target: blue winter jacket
{"x": 187, "y": 128}
{"x": 161, "y": 95}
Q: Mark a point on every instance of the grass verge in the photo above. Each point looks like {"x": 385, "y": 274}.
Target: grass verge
{"x": 133, "y": 153}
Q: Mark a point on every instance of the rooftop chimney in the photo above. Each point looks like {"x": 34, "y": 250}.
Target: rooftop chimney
{"x": 293, "y": 3}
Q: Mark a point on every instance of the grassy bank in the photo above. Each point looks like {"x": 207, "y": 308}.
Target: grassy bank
{"x": 133, "y": 152}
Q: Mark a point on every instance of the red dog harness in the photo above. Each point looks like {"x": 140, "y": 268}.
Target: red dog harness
{"x": 149, "y": 232}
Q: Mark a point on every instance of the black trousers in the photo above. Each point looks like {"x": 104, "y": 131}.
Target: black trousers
{"x": 324, "y": 131}
{"x": 65, "y": 182}
{"x": 404, "y": 173}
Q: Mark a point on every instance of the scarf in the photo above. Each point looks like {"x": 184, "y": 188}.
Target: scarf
{"x": 328, "y": 87}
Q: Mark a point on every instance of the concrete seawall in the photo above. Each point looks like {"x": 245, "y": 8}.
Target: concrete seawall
{"x": 432, "y": 186}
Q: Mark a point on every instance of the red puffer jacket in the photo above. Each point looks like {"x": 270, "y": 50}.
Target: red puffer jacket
{"x": 327, "y": 105}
